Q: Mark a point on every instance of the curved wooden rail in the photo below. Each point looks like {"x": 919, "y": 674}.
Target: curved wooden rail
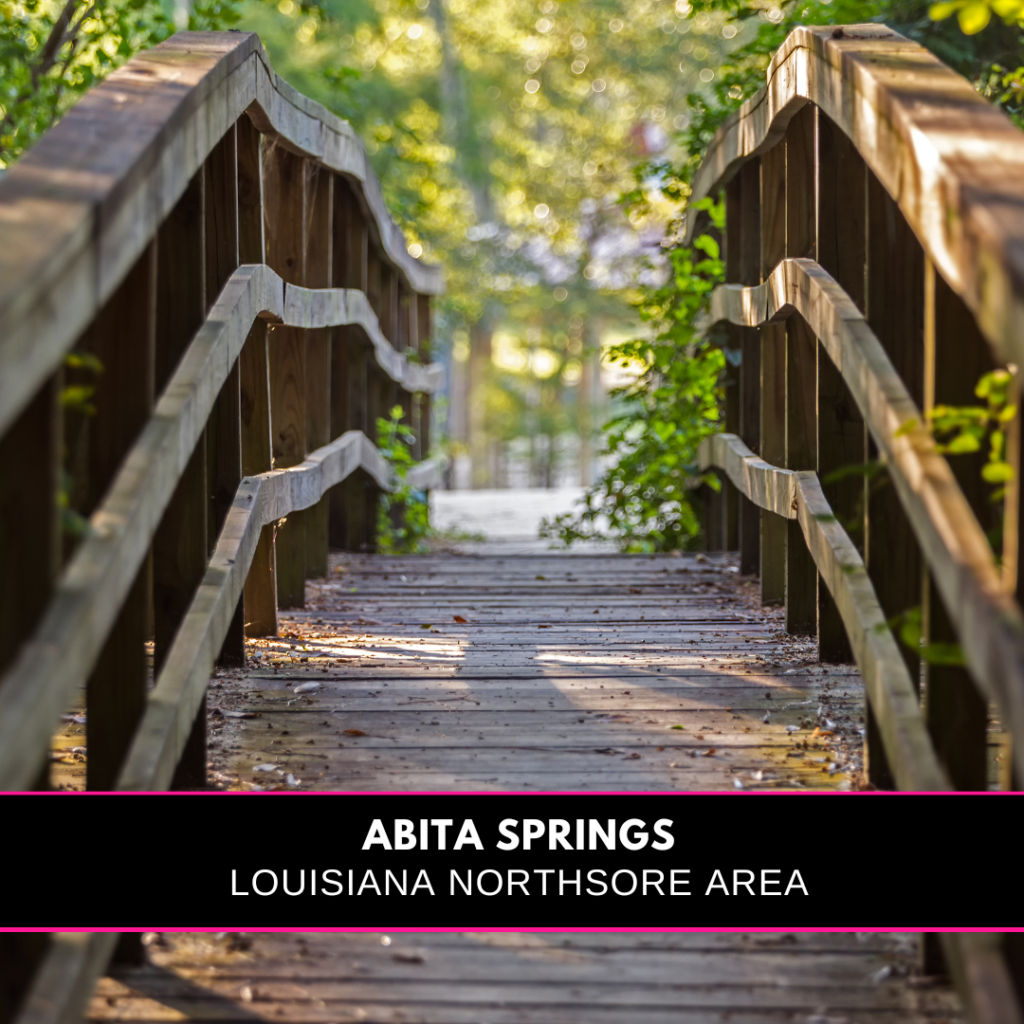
{"x": 798, "y": 495}
{"x": 42, "y": 680}
{"x": 988, "y": 619}
{"x": 79, "y": 208}
{"x": 178, "y": 695}
{"x": 952, "y": 161}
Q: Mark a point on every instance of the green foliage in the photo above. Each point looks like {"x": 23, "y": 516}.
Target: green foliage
{"x": 908, "y": 627}
{"x": 52, "y": 52}
{"x": 671, "y": 406}
{"x": 403, "y": 517}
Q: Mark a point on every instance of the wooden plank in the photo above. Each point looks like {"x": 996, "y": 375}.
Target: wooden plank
{"x": 285, "y": 206}
{"x": 894, "y": 309}
{"x": 224, "y": 443}
{"x": 123, "y": 338}
{"x": 319, "y": 274}
{"x": 773, "y": 372}
{"x": 842, "y": 440}
{"x": 747, "y": 270}
{"x": 956, "y": 357}
{"x": 801, "y": 368}
{"x": 180, "y": 543}
{"x": 926, "y": 134}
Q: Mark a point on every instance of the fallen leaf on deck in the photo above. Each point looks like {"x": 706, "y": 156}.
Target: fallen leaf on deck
{"x": 354, "y": 732}
{"x": 460, "y": 618}
{"x": 408, "y": 958}
{"x": 308, "y": 687}
{"x": 678, "y": 726}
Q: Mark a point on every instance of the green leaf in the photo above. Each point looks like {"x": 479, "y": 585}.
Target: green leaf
{"x": 974, "y": 17}
{"x": 941, "y": 11}
{"x": 963, "y": 444}
{"x": 997, "y": 473}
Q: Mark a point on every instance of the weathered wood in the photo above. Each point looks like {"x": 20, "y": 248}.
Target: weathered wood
{"x": 841, "y": 432}
{"x": 990, "y": 625}
{"x": 890, "y": 689}
{"x": 953, "y": 159}
{"x": 747, "y": 270}
{"x": 801, "y": 369}
{"x": 956, "y": 357}
{"x": 773, "y": 371}
{"x": 286, "y": 214}
{"x": 319, "y": 274}
{"x": 987, "y": 989}
{"x": 224, "y": 444}
{"x": 123, "y": 338}
{"x": 155, "y": 121}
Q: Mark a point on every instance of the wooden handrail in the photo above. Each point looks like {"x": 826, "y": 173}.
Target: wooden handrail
{"x": 79, "y": 208}
{"x": 798, "y": 496}
{"x": 951, "y": 160}
{"x": 990, "y": 624}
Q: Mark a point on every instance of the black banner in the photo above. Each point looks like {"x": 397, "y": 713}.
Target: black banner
{"x": 253, "y": 861}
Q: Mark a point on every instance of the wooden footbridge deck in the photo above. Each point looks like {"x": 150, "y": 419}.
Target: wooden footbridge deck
{"x": 538, "y": 672}
{"x": 545, "y": 978}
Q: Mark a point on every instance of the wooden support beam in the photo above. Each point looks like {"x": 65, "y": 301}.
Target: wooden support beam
{"x": 842, "y": 436}
{"x": 318, "y": 361}
{"x": 285, "y": 206}
{"x": 956, "y": 357}
{"x": 801, "y": 369}
{"x": 894, "y": 308}
{"x": 123, "y": 338}
{"x": 224, "y": 445}
{"x": 180, "y": 542}
{"x": 773, "y": 372}
{"x": 744, "y": 266}
{"x": 259, "y": 599}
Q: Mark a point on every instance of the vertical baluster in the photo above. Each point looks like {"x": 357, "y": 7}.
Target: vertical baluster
{"x": 801, "y": 370}
{"x": 773, "y": 371}
{"x": 259, "y": 599}
{"x": 956, "y": 356}
{"x": 347, "y": 527}
{"x": 180, "y": 543}
{"x": 748, "y": 270}
{"x": 842, "y": 437}
{"x": 318, "y": 364}
{"x": 224, "y": 443}
{"x": 895, "y": 311}
{"x": 123, "y": 338}
{"x": 285, "y": 200}
{"x": 423, "y": 343}
{"x": 30, "y": 532}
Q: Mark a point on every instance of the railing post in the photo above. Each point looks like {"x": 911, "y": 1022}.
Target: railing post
{"x": 259, "y": 600}
{"x": 224, "y": 449}
{"x": 30, "y": 531}
{"x": 318, "y": 362}
{"x": 421, "y": 316}
{"x": 956, "y": 356}
{"x": 801, "y": 370}
{"x": 123, "y": 338}
{"x": 894, "y": 303}
{"x": 842, "y": 435}
{"x": 773, "y": 371}
{"x": 180, "y": 543}
{"x": 285, "y": 207}
{"x": 743, "y": 265}
{"x": 347, "y": 508}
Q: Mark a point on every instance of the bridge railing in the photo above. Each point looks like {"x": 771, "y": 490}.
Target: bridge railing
{"x": 204, "y": 307}
{"x": 874, "y": 247}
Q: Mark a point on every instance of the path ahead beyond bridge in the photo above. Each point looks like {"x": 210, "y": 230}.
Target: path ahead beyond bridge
{"x": 535, "y": 671}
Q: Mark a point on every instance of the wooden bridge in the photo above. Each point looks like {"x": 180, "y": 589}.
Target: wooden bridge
{"x": 204, "y": 308}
